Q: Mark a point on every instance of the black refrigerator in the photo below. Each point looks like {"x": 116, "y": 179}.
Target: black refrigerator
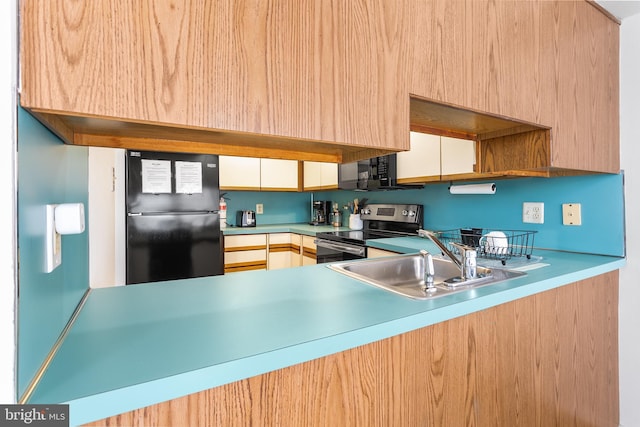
{"x": 172, "y": 222}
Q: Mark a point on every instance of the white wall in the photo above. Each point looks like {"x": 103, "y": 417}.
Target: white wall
{"x": 7, "y": 195}
{"x": 106, "y": 217}
{"x": 630, "y": 275}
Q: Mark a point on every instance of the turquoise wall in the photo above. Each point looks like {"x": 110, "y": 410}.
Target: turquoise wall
{"x": 601, "y": 196}
{"x": 48, "y": 172}
{"x": 279, "y": 208}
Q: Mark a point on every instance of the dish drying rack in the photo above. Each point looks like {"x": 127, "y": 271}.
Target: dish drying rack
{"x": 519, "y": 243}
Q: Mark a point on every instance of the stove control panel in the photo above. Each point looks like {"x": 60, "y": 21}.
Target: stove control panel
{"x": 392, "y": 212}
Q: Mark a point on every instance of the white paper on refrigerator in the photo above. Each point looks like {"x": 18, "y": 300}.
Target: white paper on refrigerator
{"x": 156, "y": 176}
{"x": 188, "y": 177}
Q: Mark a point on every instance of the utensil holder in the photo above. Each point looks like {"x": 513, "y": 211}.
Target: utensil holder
{"x": 355, "y": 222}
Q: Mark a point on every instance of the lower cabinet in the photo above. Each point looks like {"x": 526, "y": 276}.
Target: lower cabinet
{"x": 271, "y": 251}
{"x": 308, "y": 250}
{"x": 284, "y": 250}
{"x": 549, "y": 359}
{"x": 377, "y": 253}
{"x": 245, "y": 252}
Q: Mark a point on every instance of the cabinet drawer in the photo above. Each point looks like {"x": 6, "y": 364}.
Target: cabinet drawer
{"x": 245, "y": 260}
{"x": 245, "y": 242}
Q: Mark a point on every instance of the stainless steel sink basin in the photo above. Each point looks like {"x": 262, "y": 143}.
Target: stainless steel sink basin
{"x": 404, "y": 275}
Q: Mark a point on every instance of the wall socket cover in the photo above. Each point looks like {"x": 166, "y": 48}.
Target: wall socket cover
{"x": 571, "y": 214}
{"x": 533, "y": 212}
{"x": 259, "y": 208}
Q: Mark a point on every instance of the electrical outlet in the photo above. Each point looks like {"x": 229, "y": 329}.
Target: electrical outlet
{"x": 259, "y": 209}
{"x": 533, "y": 212}
{"x": 571, "y": 214}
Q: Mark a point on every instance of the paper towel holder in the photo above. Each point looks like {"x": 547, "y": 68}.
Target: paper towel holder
{"x": 485, "y": 188}
{"x": 66, "y": 218}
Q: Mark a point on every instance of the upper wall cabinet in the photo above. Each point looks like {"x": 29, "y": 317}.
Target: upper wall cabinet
{"x": 436, "y": 158}
{"x": 252, "y": 174}
{"x": 534, "y": 82}
{"x": 294, "y": 79}
{"x": 549, "y": 67}
{"x": 320, "y": 176}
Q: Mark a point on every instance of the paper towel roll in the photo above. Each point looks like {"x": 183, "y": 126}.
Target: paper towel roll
{"x": 489, "y": 188}
{"x": 69, "y": 218}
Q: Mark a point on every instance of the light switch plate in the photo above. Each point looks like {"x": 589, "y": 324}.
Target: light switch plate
{"x": 571, "y": 214}
{"x": 53, "y": 241}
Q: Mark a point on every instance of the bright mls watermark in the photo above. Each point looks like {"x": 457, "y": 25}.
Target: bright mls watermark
{"x": 34, "y": 415}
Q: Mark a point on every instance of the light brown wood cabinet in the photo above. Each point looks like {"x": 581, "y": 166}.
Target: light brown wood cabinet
{"x": 549, "y": 359}
{"x": 307, "y": 80}
{"x": 536, "y": 83}
{"x": 553, "y": 64}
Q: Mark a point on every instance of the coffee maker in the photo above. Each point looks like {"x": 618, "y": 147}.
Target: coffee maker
{"x": 320, "y": 212}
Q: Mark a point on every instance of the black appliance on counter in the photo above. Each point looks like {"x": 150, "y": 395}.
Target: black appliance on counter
{"x": 172, "y": 223}
{"x": 376, "y": 173}
{"x": 379, "y": 221}
{"x": 320, "y": 212}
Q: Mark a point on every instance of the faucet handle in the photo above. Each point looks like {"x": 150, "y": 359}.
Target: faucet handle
{"x": 462, "y": 248}
{"x": 468, "y": 268}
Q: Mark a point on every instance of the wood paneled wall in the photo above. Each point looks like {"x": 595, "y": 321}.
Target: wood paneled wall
{"x": 546, "y": 360}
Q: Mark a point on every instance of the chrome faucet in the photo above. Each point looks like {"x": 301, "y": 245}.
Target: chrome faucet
{"x": 469, "y": 267}
{"x": 467, "y": 263}
{"x": 429, "y": 271}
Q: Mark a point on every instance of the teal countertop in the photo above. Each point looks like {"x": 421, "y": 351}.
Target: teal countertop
{"x": 134, "y": 346}
{"x": 298, "y": 228}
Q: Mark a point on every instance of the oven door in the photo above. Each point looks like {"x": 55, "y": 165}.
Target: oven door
{"x": 330, "y": 251}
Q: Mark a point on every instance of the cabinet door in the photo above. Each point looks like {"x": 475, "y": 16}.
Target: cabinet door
{"x": 284, "y": 250}
{"x": 320, "y": 176}
{"x": 279, "y": 175}
{"x": 296, "y": 250}
{"x": 308, "y": 250}
{"x": 458, "y": 156}
{"x": 422, "y": 162}
{"x": 245, "y": 252}
{"x": 239, "y": 173}
{"x": 377, "y": 253}
{"x": 329, "y": 175}
{"x": 266, "y": 68}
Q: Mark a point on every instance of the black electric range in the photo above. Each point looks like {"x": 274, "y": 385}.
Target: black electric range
{"x": 379, "y": 221}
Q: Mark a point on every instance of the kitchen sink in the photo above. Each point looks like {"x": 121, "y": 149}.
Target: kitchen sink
{"x": 404, "y": 275}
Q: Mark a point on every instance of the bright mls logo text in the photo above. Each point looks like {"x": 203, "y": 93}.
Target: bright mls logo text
{"x": 36, "y": 415}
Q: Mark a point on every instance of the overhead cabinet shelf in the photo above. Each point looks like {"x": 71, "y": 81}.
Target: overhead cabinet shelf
{"x": 534, "y": 83}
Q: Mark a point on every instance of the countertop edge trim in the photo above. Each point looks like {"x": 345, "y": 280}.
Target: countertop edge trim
{"x": 54, "y": 350}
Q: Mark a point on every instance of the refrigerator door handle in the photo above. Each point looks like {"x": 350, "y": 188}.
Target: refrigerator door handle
{"x": 134, "y": 214}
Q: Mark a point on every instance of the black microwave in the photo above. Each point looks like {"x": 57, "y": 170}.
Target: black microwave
{"x": 376, "y": 173}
